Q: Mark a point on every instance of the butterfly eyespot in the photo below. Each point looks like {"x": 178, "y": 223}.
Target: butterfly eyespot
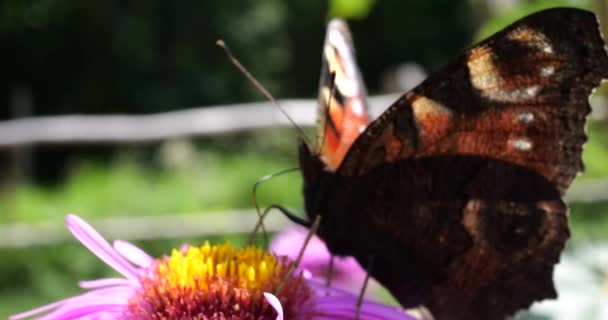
{"x": 513, "y": 225}
{"x": 485, "y": 76}
{"x": 531, "y": 38}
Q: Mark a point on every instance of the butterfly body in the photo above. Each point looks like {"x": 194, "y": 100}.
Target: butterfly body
{"x": 454, "y": 193}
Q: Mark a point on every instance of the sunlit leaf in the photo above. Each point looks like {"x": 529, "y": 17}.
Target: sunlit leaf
{"x": 353, "y": 9}
{"x": 504, "y": 18}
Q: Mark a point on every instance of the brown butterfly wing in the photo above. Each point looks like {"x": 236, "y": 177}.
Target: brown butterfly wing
{"x": 520, "y": 96}
{"x": 468, "y": 237}
{"x": 466, "y": 171}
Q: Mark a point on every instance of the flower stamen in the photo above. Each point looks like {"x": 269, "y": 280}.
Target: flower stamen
{"x": 217, "y": 280}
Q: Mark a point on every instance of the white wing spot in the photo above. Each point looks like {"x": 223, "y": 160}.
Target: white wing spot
{"x": 357, "y": 107}
{"x": 547, "y": 71}
{"x": 531, "y": 91}
{"x": 521, "y": 144}
{"x": 525, "y": 117}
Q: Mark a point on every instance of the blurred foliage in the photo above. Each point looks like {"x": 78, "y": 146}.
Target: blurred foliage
{"x": 150, "y": 56}
{"x": 207, "y": 181}
{"x": 596, "y": 151}
{"x": 355, "y": 9}
{"x": 218, "y": 179}
{"x": 503, "y": 18}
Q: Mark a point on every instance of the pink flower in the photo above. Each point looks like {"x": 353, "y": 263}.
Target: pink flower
{"x": 346, "y": 274}
{"x": 205, "y": 282}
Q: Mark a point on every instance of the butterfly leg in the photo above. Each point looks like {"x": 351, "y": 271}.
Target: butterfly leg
{"x": 330, "y": 270}
{"x": 294, "y": 265}
{"x": 261, "y": 216}
{"x": 370, "y": 265}
{"x": 291, "y": 216}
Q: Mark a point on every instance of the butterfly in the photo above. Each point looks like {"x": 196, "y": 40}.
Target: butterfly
{"x": 452, "y": 198}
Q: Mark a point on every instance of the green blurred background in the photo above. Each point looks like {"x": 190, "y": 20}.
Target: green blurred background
{"x": 139, "y": 57}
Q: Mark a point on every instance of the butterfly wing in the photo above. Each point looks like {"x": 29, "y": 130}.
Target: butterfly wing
{"x": 520, "y": 96}
{"x": 457, "y": 186}
{"x": 342, "y": 113}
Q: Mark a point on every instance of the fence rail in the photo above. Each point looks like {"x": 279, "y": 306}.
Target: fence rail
{"x": 204, "y": 224}
{"x": 125, "y": 227}
{"x": 75, "y": 129}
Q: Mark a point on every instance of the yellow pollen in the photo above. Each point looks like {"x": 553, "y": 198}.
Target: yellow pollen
{"x": 210, "y": 281}
{"x": 194, "y": 267}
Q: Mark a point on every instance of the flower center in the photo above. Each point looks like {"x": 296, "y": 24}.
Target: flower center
{"x": 252, "y": 267}
{"x": 217, "y": 282}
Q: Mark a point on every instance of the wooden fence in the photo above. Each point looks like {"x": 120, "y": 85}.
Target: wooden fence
{"x": 116, "y": 129}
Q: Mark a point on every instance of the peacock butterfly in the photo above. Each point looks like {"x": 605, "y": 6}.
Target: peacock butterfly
{"x": 452, "y": 198}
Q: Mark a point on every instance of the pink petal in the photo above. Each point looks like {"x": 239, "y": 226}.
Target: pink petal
{"x": 133, "y": 253}
{"x": 275, "y": 303}
{"x": 38, "y": 310}
{"x": 91, "y": 239}
{"x": 99, "y": 283}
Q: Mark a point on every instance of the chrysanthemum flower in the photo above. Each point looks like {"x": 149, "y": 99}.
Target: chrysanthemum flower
{"x": 208, "y": 282}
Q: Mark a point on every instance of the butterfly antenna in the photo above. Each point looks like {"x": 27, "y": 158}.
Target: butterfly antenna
{"x": 254, "y": 198}
{"x": 312, "y": 231}
{"x": 260, "y": 87}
